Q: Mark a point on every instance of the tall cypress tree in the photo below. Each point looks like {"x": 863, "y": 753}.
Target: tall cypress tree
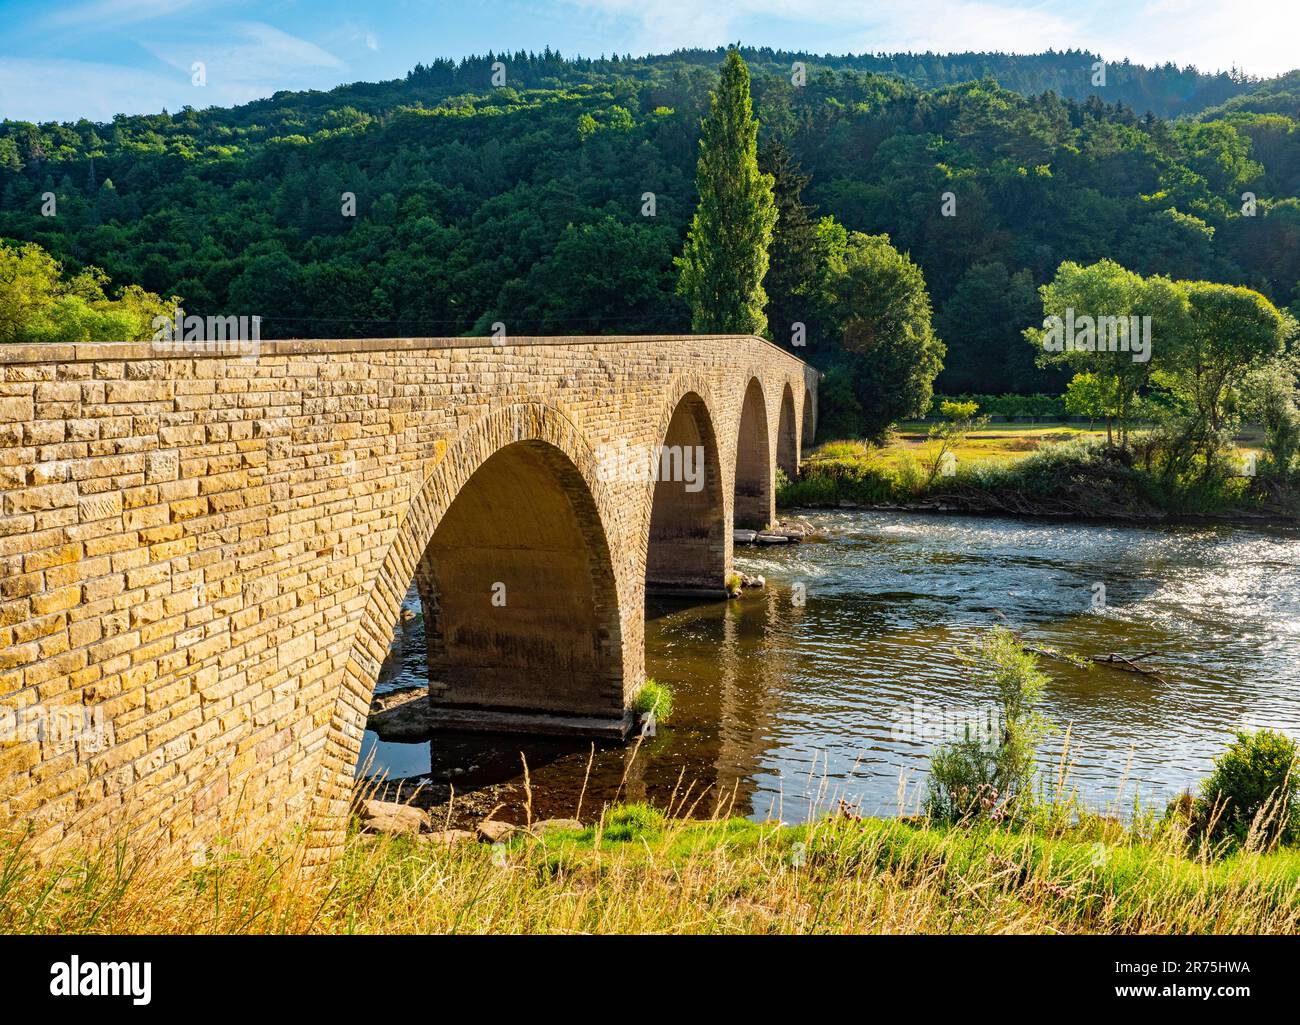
{"x": 722, "y": 266}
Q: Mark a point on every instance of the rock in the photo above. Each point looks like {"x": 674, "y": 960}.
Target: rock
{"x": 743, "y": 537}
{"x": 393, "y": 698}
{"x": 448, "y": 837}
{"x": 492, "y": 831}
{"x": 407, "y": 716}
{"x": 554, "y": 825}
{"x": 408, "y": 616}
{"x": 392, "y": 818}
{"x": 767, "y": 537}
{"x": 747, "y": 581}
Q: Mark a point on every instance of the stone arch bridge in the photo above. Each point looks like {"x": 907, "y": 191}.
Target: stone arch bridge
{"x": 203, "y": 554}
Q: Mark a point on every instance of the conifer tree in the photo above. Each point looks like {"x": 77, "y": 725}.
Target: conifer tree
{"x": 725, "y": 258}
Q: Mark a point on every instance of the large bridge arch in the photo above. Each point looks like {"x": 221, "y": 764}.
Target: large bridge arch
{"x": 808, "y": 421}
{"x": 516, "y": 509}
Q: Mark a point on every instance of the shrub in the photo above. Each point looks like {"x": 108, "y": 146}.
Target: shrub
{"x": 1043, "y": 407}
{"x": 1252, "y": 794}
{"x": 842, "y": 471}
{"x": 654, "y": 697}
{"x": 989, "y": 775}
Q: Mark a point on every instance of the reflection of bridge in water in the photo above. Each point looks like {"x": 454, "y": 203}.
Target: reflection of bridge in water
{"x": 729, "y": 664}
{"x": 213, "y": 550}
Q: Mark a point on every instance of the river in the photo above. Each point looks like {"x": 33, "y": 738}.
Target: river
{"x": 837, "y": 679}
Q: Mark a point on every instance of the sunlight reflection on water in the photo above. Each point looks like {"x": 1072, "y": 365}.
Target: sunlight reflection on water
{"x": 784, "y": 709}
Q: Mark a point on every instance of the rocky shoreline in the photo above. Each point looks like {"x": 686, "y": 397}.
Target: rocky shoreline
{"x": 398, "y": 818}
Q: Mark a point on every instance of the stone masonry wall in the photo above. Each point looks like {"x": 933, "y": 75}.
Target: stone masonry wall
{"x": 204, "y": 554}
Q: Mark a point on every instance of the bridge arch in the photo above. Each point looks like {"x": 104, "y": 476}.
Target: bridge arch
{"x": 687, "y": 540}
{"x": 508, "y": 544}
{"x": 787, "y": 435}
{"x": 754, "y": 506}
{"x": 808, "y": 427}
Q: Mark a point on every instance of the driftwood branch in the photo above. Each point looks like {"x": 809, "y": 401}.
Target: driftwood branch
{"x": 1130, "y": 665}
{"x": 1126, "y": 663}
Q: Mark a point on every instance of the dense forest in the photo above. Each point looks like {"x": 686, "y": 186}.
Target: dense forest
{"x": 556, "y": 202}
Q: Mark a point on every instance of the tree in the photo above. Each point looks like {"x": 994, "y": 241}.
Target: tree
{"x": 38, "y": 304}
{"x": 959, "y": 419}
{"x": 981, "y": 323}
{"x": 1092, "y": 396}
{"x": 1103, "y": 319}
{"x": 725, "y": 258}
{"x": 1271, "y": 395}
{"x": 1231, "y": 329}
{"x": 881, "y": 304}
{"x": 796, "y": 254}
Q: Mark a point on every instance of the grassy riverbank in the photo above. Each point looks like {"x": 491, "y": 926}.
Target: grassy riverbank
{"x": 640, "y": 872}
{"x": 1031, "y": 470}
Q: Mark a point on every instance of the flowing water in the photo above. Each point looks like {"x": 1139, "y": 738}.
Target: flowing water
{"x": 838, "y": 679}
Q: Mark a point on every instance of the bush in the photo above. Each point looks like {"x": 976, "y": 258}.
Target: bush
{"x": 654, "y": 697}
{"x": 990, "y": 775}
{"x": 842, "y": 471}
{"x": 1042, "y": 407}
{"x": 1253, "y": 794}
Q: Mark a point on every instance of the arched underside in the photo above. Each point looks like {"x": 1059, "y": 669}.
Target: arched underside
{"x": 687, "y": 549}
{"x": 519, "y": 598}
{"x": 753, "y": 505}
{"x": 528, "y": 537}
{"x": 808, "y": 428}
{"x": 787, "y": 440}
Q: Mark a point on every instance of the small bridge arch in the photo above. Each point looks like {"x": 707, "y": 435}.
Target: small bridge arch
{"x": 754, "y": 500}
{"x": 689, "y": 539}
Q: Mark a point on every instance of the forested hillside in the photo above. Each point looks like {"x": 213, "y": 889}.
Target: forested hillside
{"x": 557, "y": 202}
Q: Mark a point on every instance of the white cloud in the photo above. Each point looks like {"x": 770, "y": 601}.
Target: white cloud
{"x": 252, "y": 61}
{"x": 116, "y": 13}
{"x": 1257, "y": 35}
{"x": 66, "y": 90}
{"x": 255, "y": 54}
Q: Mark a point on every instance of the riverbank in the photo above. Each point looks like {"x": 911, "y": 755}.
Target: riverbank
{"x": 639, "y": 872}
{"x": 1044, "y": 472}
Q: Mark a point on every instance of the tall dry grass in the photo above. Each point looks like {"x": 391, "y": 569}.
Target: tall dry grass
{"x": 639, "y": 870}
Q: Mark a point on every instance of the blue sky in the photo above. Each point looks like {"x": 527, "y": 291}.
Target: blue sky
{"x": 95, "y": 58}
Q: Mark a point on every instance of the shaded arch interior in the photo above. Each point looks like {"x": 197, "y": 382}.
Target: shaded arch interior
{"x": 753, "y": 501}
{"x": 787, "y": 438}
{"x": 687, "y": 542}
{"x": 518, "y": 592}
